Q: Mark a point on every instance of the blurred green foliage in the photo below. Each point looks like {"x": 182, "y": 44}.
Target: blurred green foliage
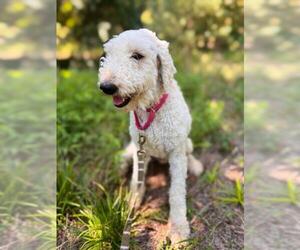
{"x": 91, "y": 135}
{"x": 88, "y": 129}
{"x": 21, "y": 34}
{"x": 191, "y": 26}
{"x": 27, "y": 132}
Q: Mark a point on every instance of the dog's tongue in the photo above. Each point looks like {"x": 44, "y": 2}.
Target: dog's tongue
{"x": 117, "y": 99}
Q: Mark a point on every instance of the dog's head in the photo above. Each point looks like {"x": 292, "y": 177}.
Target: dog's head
{"x": 135, "y": 69}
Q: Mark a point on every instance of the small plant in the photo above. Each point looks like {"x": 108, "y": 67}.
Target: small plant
{"x": 188, "y": 244}
{"x": 159, "y": 215}
{"x": 165, "y": 245}
{"x": 211, "y": 175}
{"x": 235, "y": 196}
{"x": 46, "y": 219}
{"x": 104, "y": 221}
{"x": 292, "y": 196}
{"x": 292, "y": 192}
{"x": 68, "y": 191}
{"x": 251, "y": 173}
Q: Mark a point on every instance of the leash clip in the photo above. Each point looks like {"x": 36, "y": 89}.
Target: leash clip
{"x": 141, "y": 152}
{"x": 142, "y": 140}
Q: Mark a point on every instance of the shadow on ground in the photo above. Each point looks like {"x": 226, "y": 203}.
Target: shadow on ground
{"x": 215, "y": 223}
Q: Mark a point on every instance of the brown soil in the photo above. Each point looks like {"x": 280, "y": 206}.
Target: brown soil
{"x": 214, "y": 224}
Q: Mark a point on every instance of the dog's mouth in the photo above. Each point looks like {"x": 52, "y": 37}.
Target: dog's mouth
{"x": 120, "y": 101}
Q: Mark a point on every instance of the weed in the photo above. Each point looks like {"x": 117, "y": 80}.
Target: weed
{"x": 188, "y": 244}
{"x": 68, "y": 191}
{"x": 211, "y": 175}
{"x": 292, "y": 196}
{"x": 235, "y": 196}
{"x": 159, "y": 215}
{"x": 104, "y": 221}
{"x": 251, "y": 174}
{"x": 46, "y": 219}
{"x": 292, "y": 192}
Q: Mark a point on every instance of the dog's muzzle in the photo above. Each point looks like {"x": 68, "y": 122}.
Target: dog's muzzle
{"x": 111, "y": 89}
{"x": 108, "y": 88}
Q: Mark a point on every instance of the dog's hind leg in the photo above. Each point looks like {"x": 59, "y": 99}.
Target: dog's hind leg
{"x": 195, "y": 166}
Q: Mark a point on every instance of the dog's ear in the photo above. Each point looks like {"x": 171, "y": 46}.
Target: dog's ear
{"x": 165, "y": 65}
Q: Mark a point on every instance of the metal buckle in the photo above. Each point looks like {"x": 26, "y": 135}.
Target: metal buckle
{"x": 142, "y": 140}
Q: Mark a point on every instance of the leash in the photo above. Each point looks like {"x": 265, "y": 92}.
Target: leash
{"x": 141, "y": 155}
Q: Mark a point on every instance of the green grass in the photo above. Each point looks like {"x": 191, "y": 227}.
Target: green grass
{"x": 251, "y": 174}
{"x": 89, "y": 132}
{"x": 188, "y": 244}
{"x": 46, "y": 219}
{"x": 91, "y": 136}
{"x": 69, "y": 193}
{"x": 104, "y": 221}
{"x": 27, "y": 167}
{"x": 233, "y": 195}
{"x": 211, "y": 175}
{"x": 100, "y": 214}
{"x": 292, "y": 192}
{"x": 291, "y": 195}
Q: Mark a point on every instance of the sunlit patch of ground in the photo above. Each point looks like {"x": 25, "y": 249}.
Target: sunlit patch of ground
{"x": 215, "y": 224}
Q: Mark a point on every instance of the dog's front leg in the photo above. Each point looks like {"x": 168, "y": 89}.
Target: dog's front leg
{"x": 135, "y": 191}
{"x": 178, "y": 225}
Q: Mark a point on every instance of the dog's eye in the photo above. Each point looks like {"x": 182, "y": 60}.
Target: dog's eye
{"x": 102, "y": 60}
{"x": 137, "y": 56}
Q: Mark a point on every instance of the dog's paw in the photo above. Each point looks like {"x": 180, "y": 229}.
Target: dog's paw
{"x": 178, "y": 234}
{"x": 195, "y": 166}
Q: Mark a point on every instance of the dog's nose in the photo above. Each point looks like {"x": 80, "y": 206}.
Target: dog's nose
{"x": 108, "y": 88}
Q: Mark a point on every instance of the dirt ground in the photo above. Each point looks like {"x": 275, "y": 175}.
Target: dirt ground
{"x": 215, "y": 224}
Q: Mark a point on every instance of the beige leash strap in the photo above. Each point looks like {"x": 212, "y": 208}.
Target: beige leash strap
{"x": 141, "y": 155}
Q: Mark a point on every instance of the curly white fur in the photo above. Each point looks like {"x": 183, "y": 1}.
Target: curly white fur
{"x": 167, "y": 137}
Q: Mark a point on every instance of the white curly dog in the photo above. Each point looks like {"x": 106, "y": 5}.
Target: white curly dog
{"x": 138, "y": 72}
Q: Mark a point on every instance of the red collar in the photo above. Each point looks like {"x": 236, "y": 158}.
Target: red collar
{"x": 151, "y": 112}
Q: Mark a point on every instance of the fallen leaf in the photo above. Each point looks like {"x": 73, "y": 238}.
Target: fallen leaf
{"x": 282, "y": 173}
{"x": 234, "y": 173}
